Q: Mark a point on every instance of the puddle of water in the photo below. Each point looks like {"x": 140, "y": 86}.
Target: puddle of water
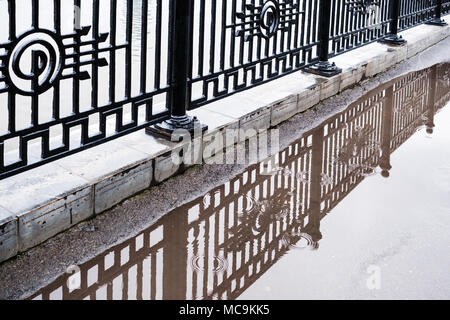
{"x": 325, "y": 224}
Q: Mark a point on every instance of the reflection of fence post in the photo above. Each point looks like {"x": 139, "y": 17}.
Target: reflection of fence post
{"x": 386, "y": 132}
{"x": 313, "y": 227}
{"x": 175, "y": 257}
{"x": 324, "y": 67}
{"x": 393, "y": 38}
{"x": 431, "y": 100}
{"x": 181, "y": 18}
{"x": 437, "y": 20}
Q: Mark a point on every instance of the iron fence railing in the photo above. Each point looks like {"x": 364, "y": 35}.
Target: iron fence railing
{"x": 445, "y": 6}
{"x": 221, "y": 243}
{"x": 413, "y": 13}
{"x": 77, "y": 73}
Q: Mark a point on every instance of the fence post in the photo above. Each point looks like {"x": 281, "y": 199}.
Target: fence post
{"x": 386, "y": 132}
{"x": 437, "y": 20}
{"x": 393, "y": 38}
{"x": 324, "y": 67}
{"x": 180, "y": 13}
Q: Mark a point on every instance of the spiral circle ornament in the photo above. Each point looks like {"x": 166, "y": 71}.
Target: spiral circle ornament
{"x": 269, "y": 19}
{"x": 35, "y": 62}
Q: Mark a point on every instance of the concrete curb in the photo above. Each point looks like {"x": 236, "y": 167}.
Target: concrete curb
{"x": 39, "y": 204}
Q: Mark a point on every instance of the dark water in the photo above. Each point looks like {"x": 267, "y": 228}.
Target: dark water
{"x": 359, "y": 207}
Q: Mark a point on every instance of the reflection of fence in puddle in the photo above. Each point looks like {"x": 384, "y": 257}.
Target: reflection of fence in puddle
{"x": 218, "y": 245}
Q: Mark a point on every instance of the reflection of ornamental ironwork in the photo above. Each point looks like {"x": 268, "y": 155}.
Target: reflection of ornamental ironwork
{"x": 269, "y": 18}
{"x": 48, "y": 59}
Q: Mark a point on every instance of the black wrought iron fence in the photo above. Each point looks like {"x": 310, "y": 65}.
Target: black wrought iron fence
{"x": 221, "y": 243}
{"x": 77, "y": 73}
{"x": 415, "y": 12}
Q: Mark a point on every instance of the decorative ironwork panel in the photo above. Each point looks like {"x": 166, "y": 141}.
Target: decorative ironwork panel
{"x": 242, "y": 43}
{"x": 77, "y": 73}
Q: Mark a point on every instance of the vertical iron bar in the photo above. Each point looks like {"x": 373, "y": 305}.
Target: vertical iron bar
{"x": 140, "y": 276}
{"x": 395, "y": 13}
{"x": 233, "y": 39}
{"x": 432, "y": 87}
{"x": 95, "y": 47}
{"x": 158, "y": 32}
{"x": 309, "y": 27}
{"x": 201, "y": 42}
{"x": 324, "y": 29}
{"x": 223, "y": 37}
{"x": 153, "y": 266}
{"x": 191, "y": 55}
{"x": 179, "y": 56}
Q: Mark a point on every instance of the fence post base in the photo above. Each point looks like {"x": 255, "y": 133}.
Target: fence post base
{"x": 437, "y": 22}
{"x": 176, "y": 128}
{"x": 393, "y": 40}
{"x": 324, "y": 68}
